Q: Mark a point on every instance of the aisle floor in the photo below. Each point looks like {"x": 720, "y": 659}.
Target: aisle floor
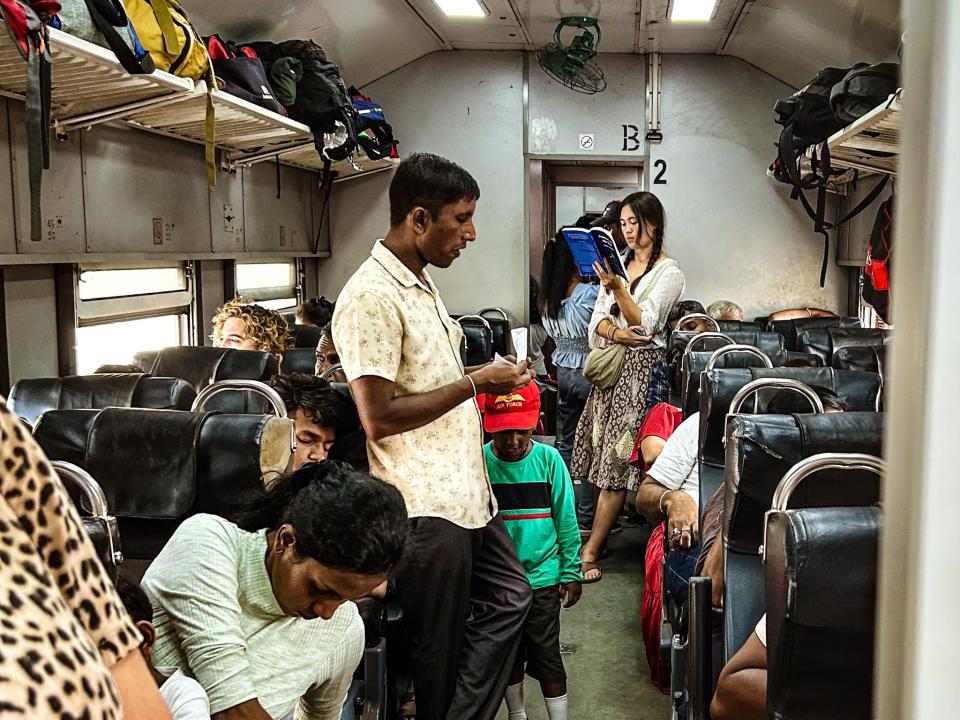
{"x": 607, "y": 676}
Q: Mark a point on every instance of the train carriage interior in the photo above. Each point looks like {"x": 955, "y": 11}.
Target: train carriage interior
{"x": 709, "y": 190}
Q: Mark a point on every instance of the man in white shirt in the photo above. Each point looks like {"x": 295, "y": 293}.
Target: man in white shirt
{"x": 671, "y": 492}
{"x": 463, "y": 592}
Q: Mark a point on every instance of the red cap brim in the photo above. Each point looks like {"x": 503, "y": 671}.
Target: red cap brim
{"x": 495, "y": 422}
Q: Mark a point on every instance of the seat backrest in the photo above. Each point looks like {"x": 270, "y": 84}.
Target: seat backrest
{"x": 306, "y": 336}
{"x": 32, "y": 397}
{"x": 202, "y": 366}
{"x": 760, "y": 450}
{"x": 791, "y": 328}
{"x": 865, "y": 359}
{"x": 479, "y": 338}
{"x": 158, "y": 467}
{"x": 499, "y": 327}
{"x": 298, "y": 360}
{"x": 826, "y": 341}
{"x": 694, "y": 363}
{"x": 821, "y": 588}
{"x": 861, "y": 392}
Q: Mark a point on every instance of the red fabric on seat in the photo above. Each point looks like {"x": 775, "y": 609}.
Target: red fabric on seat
{"x": 650, "y": 610}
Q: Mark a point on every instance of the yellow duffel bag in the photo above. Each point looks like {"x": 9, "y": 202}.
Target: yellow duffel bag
{"x": 166, "y": 33}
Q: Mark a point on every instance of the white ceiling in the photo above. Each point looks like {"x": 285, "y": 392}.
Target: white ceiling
{"x": 790, "y": 39}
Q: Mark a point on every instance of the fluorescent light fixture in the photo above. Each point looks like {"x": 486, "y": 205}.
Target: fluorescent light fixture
{"x": 461, "y": 8}
{"x": 691, "y": 10}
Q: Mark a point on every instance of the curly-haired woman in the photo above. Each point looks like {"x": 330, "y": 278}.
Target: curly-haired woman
{"x": 241, "y": 325}
{"x": 633, "y": 315}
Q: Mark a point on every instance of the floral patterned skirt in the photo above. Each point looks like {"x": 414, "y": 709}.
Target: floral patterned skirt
{"x": 610, "y": 422}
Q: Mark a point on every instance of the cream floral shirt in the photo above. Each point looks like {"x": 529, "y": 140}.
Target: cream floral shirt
{"x": 390, "y": 324}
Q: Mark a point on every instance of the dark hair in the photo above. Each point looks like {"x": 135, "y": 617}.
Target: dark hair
{"x": 318, "y": 400}
{"x": 428, "y": 181}
{"x": 558, "y": 269}
{"x": 648, "y": 209}
{"x": 134, "y": 599}
{"x": 344, "y": 519}
{"x": 535, "y": 318}
{"x": 788, "y": 402}
{"x": 684, "y": 307}
{"x": 318, "y": 311}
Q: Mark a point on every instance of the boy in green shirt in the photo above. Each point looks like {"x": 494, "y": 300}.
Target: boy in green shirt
{"x": 535, "y": 496}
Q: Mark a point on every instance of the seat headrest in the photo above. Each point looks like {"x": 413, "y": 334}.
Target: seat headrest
{"x": 158, "y": 467}
{"x": 791, "y": 328}
{"x": 861, "y": 391}
{"x": 728, "y": 326}
{"x": 821, "y": 587}
{"x": 826, "y": 341}
{"x": 479, "y": 337}
{"x": 202, "y": 366}
{"x": 864, "y": 359}
{"x": 306, "y": 336}
{"x": 760, "y": 449}
{"x": 695, "y": 363}
{"x": 298, "y": 360}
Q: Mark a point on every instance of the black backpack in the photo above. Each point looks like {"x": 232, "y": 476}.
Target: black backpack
{"x": 862, "y": 89}
{"x": 322, "y": 100}
{"x": 876, "y": 272}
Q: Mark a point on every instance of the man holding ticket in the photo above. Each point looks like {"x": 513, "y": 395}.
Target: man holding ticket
{"x": 463, "y": 591}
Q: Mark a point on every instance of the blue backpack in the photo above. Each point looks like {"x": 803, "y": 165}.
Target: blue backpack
{"x": 374, "y": 133}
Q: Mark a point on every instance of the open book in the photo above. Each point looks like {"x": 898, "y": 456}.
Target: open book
{"x": 591, "y": 246}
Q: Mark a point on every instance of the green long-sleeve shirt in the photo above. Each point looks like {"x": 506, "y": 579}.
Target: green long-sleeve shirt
{"x": 535, "y": 497}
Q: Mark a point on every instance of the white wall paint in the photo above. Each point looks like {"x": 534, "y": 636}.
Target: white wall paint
{"x": 734, "y": 231}
{"x": 466, "y": 106}
{"x": 31, "y": 312}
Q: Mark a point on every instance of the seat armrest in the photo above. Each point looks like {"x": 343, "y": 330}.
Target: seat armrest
{"x": 700, "y": 649}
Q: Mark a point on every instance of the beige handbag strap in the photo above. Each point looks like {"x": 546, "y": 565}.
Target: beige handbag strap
{"x": 669, "y": 262}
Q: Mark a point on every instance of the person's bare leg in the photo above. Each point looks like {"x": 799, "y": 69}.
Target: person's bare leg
{"x": 608, "y": 508}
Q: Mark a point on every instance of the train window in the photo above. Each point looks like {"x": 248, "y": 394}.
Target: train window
{"x": 273, "y": 285}
{"x": 124, "y": 310}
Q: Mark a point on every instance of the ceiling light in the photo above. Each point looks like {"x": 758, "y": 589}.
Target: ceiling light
{"x": 691, "y": 10}
{"x": 461, "y": 8}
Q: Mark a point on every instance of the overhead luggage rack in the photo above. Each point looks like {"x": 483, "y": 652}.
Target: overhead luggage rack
{"x": 872, "y": 143}
{"x": 87, "y": 80}
{"x": 305, "y": 156}
{"x": 241, "y": 126}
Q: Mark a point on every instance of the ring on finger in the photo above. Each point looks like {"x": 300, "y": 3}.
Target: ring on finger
{"x": 676, "y": 531}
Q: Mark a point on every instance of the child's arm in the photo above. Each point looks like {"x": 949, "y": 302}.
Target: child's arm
{"x": 565, "y": 519}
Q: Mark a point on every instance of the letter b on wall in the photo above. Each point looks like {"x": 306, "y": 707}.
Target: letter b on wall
{"x": 631, "y": 138}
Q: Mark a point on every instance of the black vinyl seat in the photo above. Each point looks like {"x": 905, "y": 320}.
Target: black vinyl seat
{"x": 499, "y": 328}
{"x": 306, "y": 336}
{"x": 727, "y": 326}
{"x": 32, "y": 397}
{"x": 478, "y": 335}
{"x": 865, "y": 359}
{"x": 203, "y": 366}
{"x": 298, "y": 360}
{"x": 821, "y": 588}
{"x": 159, "y": 467}
{"x": 790, "y": 329}
{"x": 826, "y": 342}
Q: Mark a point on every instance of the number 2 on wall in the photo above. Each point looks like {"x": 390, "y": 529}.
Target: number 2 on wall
{"x": 661, "y": 165}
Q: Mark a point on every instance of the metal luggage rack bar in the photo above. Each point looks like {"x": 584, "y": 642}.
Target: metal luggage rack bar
{"x": 304, "y": 155}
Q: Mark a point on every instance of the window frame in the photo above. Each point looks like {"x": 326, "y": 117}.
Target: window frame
{"x": 294, "y": 290}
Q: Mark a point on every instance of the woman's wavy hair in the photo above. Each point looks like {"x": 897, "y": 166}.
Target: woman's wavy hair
{"x": 267, "y": 327}
{"x": 344, "y": 519}
{"x": 649, "y": 211}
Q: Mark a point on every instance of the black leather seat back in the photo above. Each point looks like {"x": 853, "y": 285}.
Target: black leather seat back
{"x": 479, "y": 338}
{"x": 299, "y": 360}
{"x": 791, "y": 328}
{"x": 202, "y": 366}
{"x": 500, "y": 328}
{"x": 694, "y": 363}
{"x": 728, "y": 326}
{"x": 762, "y": 448}
{"x": 859, "y": 390}
{"x": 158, "y": 467}
{"x": 825, "y": 342}
{"x": 864, "y": 359}
{"x": 306, "y": 336}
{"x": 821, "y": 588}
{"x": 31, "y": 398}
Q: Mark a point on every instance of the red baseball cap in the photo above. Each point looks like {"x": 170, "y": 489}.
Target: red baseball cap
{"x": 519, "y": 410}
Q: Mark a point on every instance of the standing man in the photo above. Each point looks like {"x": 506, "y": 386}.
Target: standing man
{"x": 463, "y": 592}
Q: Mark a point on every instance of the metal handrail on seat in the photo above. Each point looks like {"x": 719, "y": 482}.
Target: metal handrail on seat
{"x": 254, "y": 386}
{"x": 774, "y": 383}
{"x": 809, "y": 466}
{"x": 697, "y": 316}
{"x": 745, "y": 349}
{"x": 706, "y": 336}
{"x": 331, "y": 371}
{"x": 501, "y": 311}
{"x": 93, "y": 493}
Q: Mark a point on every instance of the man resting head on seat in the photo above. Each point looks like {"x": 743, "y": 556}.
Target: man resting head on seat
{"x": 328, "y": 357}
{"x": 710, "y": 562}
{"x": 244, "y": 326}
{"x": 317, "y": 410}
{"x": 259, "y": 612}
{"x": 725, "y": 310}
{"x": 684, "y": 308}
{"x": 795, "y": 313}
{"x": 183, "y": 695}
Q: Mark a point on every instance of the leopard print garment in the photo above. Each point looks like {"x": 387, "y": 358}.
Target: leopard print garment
{"x": 61, "y": 622}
